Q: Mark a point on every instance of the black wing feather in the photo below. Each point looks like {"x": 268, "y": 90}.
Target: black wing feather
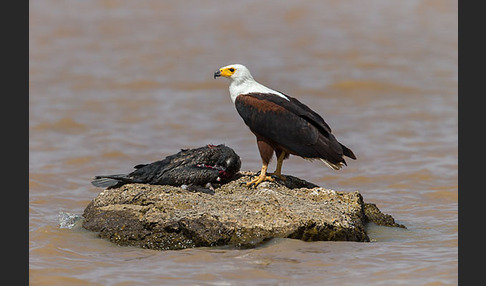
{"x": 202, "y": 165}
{"x": 292, "y": 125}
{"x": 303, "y": 111}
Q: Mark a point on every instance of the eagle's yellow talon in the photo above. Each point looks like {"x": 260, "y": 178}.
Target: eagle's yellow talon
{"x": 255, "y": 182}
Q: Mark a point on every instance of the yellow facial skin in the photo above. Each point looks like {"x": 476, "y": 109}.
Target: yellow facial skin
{"x": 226, "y": 72}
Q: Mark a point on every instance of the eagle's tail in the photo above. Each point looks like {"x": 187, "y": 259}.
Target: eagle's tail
{"x": 331, "y": 152}
{"x": 333, "y": 165}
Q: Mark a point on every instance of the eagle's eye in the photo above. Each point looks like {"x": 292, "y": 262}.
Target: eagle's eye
{"x": 232, "y": 70}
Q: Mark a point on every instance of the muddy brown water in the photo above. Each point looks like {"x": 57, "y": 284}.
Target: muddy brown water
{"x": 118, "y": 83}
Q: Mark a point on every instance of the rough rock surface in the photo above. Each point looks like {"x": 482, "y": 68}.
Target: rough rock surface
{"x": 167, "y": 217}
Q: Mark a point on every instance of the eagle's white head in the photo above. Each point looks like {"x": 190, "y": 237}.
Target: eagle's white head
{"x": 242, "y": 81}
{"x": 234, "y": 72}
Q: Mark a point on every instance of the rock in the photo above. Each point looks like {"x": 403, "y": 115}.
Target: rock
{"x": 373, "y": 214}
{"x": 167, "y": 217}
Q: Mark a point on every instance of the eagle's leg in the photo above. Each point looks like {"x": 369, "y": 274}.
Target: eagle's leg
{"x": 262, "y": 177}
{"x": 266, "y": 152}
{"x": 278, "y": 170}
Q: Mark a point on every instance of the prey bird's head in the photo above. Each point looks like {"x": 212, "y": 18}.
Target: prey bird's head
{"x": 234, "y": 72}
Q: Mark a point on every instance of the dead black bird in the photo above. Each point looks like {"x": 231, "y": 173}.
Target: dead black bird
{"x": 190, "y": 167}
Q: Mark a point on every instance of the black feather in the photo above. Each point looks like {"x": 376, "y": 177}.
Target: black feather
{"x": 291, "y": 126}
{"x": 198, "y": 166}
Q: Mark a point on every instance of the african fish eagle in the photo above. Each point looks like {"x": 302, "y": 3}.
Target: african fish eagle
{"x": 281, "y": 124}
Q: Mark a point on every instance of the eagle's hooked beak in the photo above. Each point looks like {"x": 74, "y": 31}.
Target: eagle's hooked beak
{"x": 217, "y": 74}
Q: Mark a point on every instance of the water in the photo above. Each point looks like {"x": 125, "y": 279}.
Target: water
{"x": 117, "y": 83}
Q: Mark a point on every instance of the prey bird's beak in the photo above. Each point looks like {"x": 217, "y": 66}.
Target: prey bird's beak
{"x": 217, "y": 74}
